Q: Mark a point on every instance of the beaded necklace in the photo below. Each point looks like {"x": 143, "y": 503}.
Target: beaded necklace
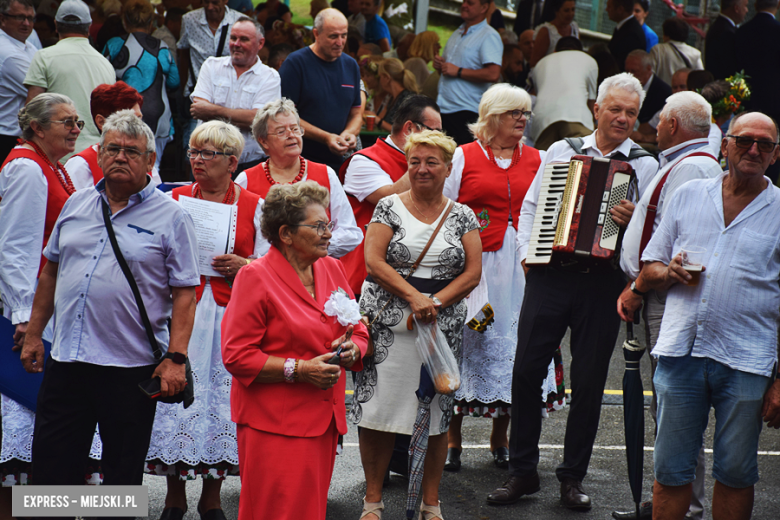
{"x": 297, "y": 178}
{"x": 230, "y": 195}
{"x": 515, "y": 156}
{"x": 64, "y": 179}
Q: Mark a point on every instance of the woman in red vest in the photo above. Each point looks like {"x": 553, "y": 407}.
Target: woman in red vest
{"x": 491, "y": 175}
{"x": 278, "y": 130}
{"x": 201, "y": 440}
{"x": 33, "y": 188}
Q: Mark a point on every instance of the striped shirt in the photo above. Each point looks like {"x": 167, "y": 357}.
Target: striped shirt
{"x": 731, "y": 316}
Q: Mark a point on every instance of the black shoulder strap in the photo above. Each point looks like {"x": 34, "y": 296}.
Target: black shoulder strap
{"x": 133, "y": 286}
{"x": 222, "y": 38}
{"x": 193, "y": 79}
{"x": 575, "y": 143}
{"x": 681, "y": 55}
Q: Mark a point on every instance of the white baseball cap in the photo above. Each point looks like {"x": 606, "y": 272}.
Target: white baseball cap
{"x": 75, "y": 8}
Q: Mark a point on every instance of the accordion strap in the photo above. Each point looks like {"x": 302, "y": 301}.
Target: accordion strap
{"x": 652, "y": 207}
{"x": 634, "y": 153}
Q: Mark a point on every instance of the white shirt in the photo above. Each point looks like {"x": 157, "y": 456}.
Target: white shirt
{"x": 15, "y": 59}
{"x": 688, "y": 169}
{"x": 645, "y": 168}
{"x": 666, "y": 61}
{"x": 565, "y": 81}
{"x": 364, "y": 176}
{"x": 715, "y": 138}
{"x": 452, "y": 184}
{"x": 81, "y": 175}
{"x": 218, "y": 84}
{"x": 197, "y": 37}
{"x": 731, "y": 316}
{"x": 23, "y": 193}
{"x": 346, "y": 235}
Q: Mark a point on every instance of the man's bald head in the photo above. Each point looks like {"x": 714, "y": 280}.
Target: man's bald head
{"x": 330, "y": 34}
{"x": 526, "y": 43}
{"x": 753, "y": 119}
{"x": 327, "y": 16}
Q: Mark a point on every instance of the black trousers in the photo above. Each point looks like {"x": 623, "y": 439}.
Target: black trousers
{"x": 555, "y": 300}
{"x": 456, "y": 125}
{"x": 74, "y": 397}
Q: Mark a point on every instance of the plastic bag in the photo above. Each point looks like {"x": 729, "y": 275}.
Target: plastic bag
{"x": 437, "y": 357}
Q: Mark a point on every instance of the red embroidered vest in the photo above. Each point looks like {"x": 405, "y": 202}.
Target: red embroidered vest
{"x": 257, "y": 182}
{"x": 89, "y": 154}
{"x": 54, "y": 200}
{"x": 486, "y": 188}
{"x": 245, "y": 240}
{"x": 393, "y": 162}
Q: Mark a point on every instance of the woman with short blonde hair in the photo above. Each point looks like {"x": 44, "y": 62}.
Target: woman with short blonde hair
{"x": 491, "y": 176}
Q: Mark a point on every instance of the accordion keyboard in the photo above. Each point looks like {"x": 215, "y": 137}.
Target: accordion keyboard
{"x": 548, "y": 207}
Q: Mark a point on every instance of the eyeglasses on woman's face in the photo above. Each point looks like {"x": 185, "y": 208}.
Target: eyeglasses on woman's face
{"x": 282, "y": 132}
{"x": 70, "y": 123}
{"x": 321, "y": 227}
{"x": 517, "y": 114}
{"x": 206, "y": 155}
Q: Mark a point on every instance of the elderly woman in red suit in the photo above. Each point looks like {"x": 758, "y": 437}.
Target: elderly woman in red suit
{"x": 34, "y": 186}
{"x": 289, "y": 312}
{"x": 278, "y": 130}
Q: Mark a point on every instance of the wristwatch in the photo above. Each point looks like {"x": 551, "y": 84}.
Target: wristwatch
{"x": 635, "y": 290}
{"x": 176, "y": 357}
{"x": 436, "y": 301}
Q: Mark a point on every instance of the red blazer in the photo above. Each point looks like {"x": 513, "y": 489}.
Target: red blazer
{"x": 271, "y": 314}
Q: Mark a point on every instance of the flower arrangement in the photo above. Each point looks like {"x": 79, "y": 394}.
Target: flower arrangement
{"x": 345, "y": 309}
{"x": 732, "y": 102}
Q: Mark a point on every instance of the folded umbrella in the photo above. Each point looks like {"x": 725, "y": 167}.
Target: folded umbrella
{"x": 634, "y": 413}
{"x": 418, "y": 446}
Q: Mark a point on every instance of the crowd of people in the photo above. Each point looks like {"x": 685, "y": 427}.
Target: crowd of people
{"x": 342, "y": 252}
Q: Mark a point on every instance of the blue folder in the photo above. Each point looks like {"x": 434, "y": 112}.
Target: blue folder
{"x": 15, "y": 381}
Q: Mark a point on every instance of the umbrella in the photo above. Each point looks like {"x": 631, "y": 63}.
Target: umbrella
{"x": 634, "y": 412}
{"x": 418, "y": 446}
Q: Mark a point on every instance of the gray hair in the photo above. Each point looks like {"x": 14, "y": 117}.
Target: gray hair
{"x": 319, "y": 20}
{"x": 40, "y": 109}
{"x": 623, "y": 81}
{"x": 509, "y": 37}
{"x": 286, "y": 204}
{"x": 270, "y": 111}
{"x": 125, "y": 122}
{"x": 5, "y": 5}
{"x": 258, "y": 27}
{"x": 691, "y": 110}
{"x": 644, "y": 58}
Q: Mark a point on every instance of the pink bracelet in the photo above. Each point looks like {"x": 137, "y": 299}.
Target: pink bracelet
{"x": 289, "y": 370}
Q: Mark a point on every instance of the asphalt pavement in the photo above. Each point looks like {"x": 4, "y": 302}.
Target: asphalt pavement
{"x": 463, "y": 493}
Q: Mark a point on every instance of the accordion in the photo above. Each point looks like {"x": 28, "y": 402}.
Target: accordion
{"x": 572, "y": 225}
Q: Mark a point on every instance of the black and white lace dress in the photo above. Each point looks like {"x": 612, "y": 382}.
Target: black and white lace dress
{"x": 384, "y": 397}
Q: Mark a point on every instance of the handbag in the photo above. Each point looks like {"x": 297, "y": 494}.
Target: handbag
{"x": 186, "y": 396}
{"x": 415, "y": 265}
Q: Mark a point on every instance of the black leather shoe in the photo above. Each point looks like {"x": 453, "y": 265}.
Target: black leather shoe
{"x": 645, "y": 512}
{"x": 453, "y": 460}
{"x": 513, "y": 489}
{"x": 501, "y": 457}
{"x": 172, "y": 513}
{"x": 573, "y": 496}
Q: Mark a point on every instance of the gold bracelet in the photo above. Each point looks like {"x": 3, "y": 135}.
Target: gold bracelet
{"x": 295, "y": 370}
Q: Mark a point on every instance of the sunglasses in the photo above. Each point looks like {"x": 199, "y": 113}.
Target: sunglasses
{"x": 746, "y": 143}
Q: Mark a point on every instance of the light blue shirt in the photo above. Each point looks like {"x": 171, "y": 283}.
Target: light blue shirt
{"x": 478, "y": 47}
{"x": 96, "y": 319}
{"x": 731, "y": 316}
{"x": 15, "y": 59}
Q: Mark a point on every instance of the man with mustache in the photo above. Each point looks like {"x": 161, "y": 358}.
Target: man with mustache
{"x": 560, "y": 296}
{"x": 234, "y": 87}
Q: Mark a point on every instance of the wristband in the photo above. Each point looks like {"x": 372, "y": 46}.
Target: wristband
{"x": 295, "y": 370}
{"x": 290, "y": 367}
{"x": 460, "y": 70}
{"x": 248, "y": 261}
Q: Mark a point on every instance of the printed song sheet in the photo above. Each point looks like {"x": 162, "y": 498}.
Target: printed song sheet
{"x": 215, "y": 228}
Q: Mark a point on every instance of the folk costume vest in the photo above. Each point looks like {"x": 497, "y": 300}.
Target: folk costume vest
{"x": 257, "y": 182}
{"x": 245, "y": 240}
{"x": 486, "y": 189}
{"x": 393, "y": 162}
{"x": 89, "y": 154}
{"x": 55, "y": 199}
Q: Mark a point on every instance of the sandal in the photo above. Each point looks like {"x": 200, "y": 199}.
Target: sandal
{"x": 372, "y": 508}
{"x": 430, "y": 512}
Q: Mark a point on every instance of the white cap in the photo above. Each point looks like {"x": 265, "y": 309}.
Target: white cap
{"x": 75, "y": 8}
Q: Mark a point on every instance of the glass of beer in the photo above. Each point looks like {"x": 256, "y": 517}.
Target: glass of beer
{"x": 692, "y": 258}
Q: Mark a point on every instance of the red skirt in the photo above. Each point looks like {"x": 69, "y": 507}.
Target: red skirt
{"x": 284, "y": 477}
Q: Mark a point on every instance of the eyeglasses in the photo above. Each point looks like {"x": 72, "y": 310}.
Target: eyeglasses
{"x": 20, "y": 17}
{"x": 130, "y": 153}
{"x": 517, "y": 114}
{"x": 70, "y": 123}
{"x": 423, "y": 125}
{"x": 746, "y": 143}
{"x": 206, "y": 155}
{"x": 282, "y": 132}
{"x": 321, "y": 226}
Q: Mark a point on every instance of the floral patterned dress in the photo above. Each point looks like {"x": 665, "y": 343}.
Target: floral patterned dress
{"x": 384, "y": 397}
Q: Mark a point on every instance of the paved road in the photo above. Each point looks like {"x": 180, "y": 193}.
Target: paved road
{"x": 463, "y": 494}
